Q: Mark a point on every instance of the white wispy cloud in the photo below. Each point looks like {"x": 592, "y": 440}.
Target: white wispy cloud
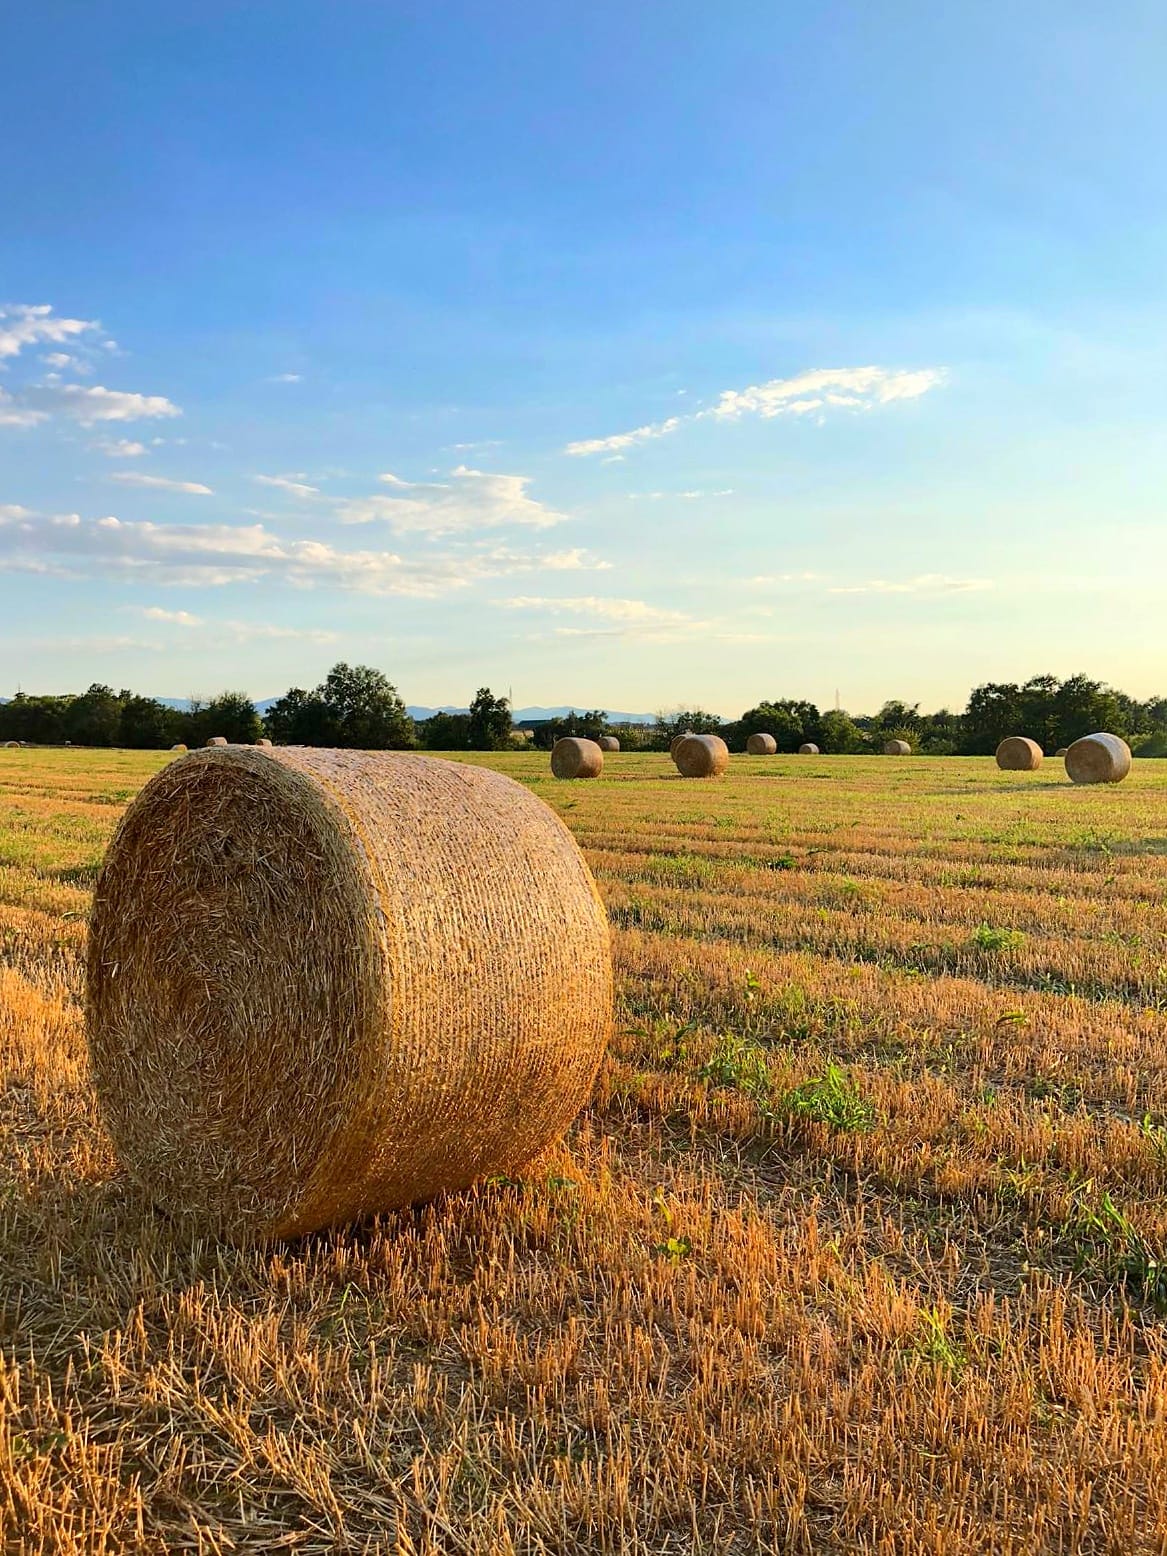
{"x": 286, "y": 378}
{"x": 471, "y": 500}
{"x": 25, "y": 324}
{"x": 161, "y": 483}
{"x": 621, "y": 440}
{"x": 86, "y": 404}
{"x": 816, "y": 391}
{"x": 202, "y": 555}
{"x": 121, "y": 448}
{"x": 924, "y": 583}
{"x": 285, "y": 484}
{"x": 595, "y": 605}
{"x": 180, "y": 618}
{"x": 62, "y": 361}
{"x": 690, "y": 496}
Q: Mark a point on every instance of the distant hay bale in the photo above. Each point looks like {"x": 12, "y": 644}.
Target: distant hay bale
{"x": 608, "y": 743}
{"x": 676, "y": 741}
{"x": 323, "y": 984}
{"x": 702, "y": 756}
{"x": 896, "y": 748}
{"x": 761, "y": 745}
{"x": 12, "y": 745}
{"x": 572, "y": 757}
{"x": 217, "y": 740}
{"x": 265, "y": 742}
{"x": 1098, "y": 759}
{"x": 808, "y": 748}
{"x": 180, "y": 748}
{"x": 1018, "y": 754}
{"x": 1061, "y": 751}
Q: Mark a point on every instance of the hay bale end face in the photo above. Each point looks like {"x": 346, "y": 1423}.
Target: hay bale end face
{"x": 572, "y": 757}
{"x": 896, "y": 748}
{"x": 808, "y": 749}
{"x": 1018, "y": 754}
{"x": 675, "y": 742}
{"x": 761, "y": 745}
{"x": 1098, "y": 758}
{"x": 702, "y": 756}
{"x": 608, "y": 743}
{"x": 217, "y": 740}
{"x": 360, "y": 979}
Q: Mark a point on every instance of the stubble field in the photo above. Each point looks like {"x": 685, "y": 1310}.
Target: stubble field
{"x": 858, "y": 1247}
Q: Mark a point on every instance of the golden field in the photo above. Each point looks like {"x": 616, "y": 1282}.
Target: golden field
{"x": 858, "y": 1248}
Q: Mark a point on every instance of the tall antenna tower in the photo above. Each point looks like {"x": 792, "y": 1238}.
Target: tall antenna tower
{"x": 837, "y": 708}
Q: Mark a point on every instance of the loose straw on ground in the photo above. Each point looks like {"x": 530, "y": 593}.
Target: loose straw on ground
{"x": 326, "y": 983}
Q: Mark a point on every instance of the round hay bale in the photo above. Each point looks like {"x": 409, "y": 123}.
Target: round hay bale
{"x": 808, "y": 749}
{"x": 265, "y": 743}
{"x": 1098, "y": 759}
{"x": 179, "y": 747}
{"x": 12, "y": 745}
{"x": 217, "y": 740}
{"x": 675, "y": 742}
{"x": 1018, "y": 754}
{"x": 761, "y": 745}
{"x": 608, "y": 743}
{"x": 702, "y": 756}
{"x": 323, "y": 984}
{"x": 896, "y": 748}
{"x": 1061, "y": 751}
{"x": 572, "y": 757}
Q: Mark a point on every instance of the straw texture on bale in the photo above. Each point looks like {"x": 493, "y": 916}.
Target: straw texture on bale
{"x": 323, "y": 983}
{"x": 702, "y": 756}
{"x": 608, "y": 743}
{"x": 896, "y": 748}
{"x": 217, "y": 740}
{"x": 1017, "y": 754}
{"x": 572, "y": 757}
{"x": 675, "y": 742}
{"x": 761, "y": 745}
{"x": 808, "y": 748}
{"x": 1098, "y": 759}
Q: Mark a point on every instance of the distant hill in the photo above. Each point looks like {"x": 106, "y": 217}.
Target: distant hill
{"x": 520, "y": 715}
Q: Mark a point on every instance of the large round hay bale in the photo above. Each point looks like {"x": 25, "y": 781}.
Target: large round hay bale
{"x": 217, "y": 740}
{"x": 1018, "y": 754}
{"x": 896, "y": 748}
{"x": 608, "y": 743}
{"x": 573, "y": 757}
{"x": 761, "y": 745}
{"x": 675, "y": 742}
{"x": 323, "y": 984}
{"x": 1098, "y": 759}
{"x": 808, "y": 748}
{"x": 265, "y": 743}
{"x": 702, "y": 756}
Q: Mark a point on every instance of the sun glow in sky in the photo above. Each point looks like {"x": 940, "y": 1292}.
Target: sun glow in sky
{"x": 623, "y": 355}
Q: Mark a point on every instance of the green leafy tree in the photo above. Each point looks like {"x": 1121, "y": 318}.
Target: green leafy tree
{"x": 489, "y": 723}
{"x": 366, "y": 712}
{"x": 233, "y": 715}
{"x": 146, "y": 724}
{"x": 93, "y": 719}
{"x": 839, "y": 733}
{"x": 300, "y": 718}
{"x": 445, "y": 732}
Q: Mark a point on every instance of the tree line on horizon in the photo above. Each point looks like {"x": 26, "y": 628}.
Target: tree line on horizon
{"x": 358, "y": 707}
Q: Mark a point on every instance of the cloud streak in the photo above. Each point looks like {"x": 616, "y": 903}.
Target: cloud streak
{"x": 816, "y": 392}
{"x": 161, "y": 483}
{"x": 470, "y": 500}
{"x": 25, "y": 324}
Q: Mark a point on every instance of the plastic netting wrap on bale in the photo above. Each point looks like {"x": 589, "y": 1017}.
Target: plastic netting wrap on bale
{"x": 1098, "y": 759}
{"x": 808, "y": 748}
{"x": 896, "y": 748}
{"x": 761, "y": 745}
{"x": 572, "y": 757}
{"x": 702, "y": 756}
{"x": 326, "y": 983}
{"x": 608, "y": 743}
{"x": 1017, "y": 754}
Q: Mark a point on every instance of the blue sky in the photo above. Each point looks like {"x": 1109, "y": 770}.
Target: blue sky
{"x": 636, "y": 355}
